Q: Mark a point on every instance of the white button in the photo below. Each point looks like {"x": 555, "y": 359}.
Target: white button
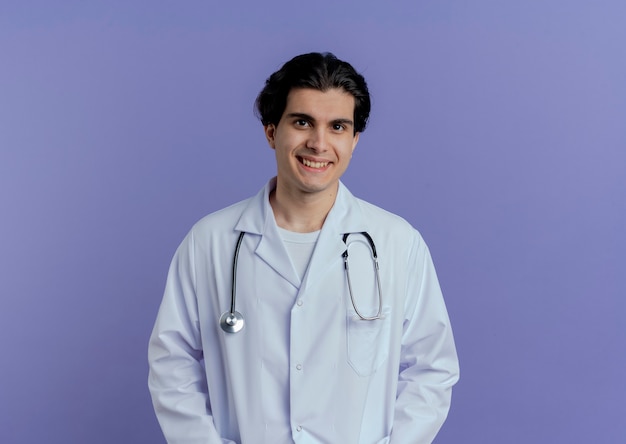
{"x": 299, "y": 302}
{"x": 299, "y": 428}
{"x": 299, "y": 367}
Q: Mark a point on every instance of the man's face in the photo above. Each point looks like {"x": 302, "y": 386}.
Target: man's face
{"x": 313, "y": 140}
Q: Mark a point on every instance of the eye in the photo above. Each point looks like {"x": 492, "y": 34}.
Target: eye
{"x": 339, "y": 127}
{"x": 301, "y": 123}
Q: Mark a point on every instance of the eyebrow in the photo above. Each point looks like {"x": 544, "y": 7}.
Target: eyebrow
{"x": 309, "y": 118}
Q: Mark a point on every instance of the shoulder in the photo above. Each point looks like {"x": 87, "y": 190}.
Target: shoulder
{"x": 380, "y": 219}
{"x": 392, "y": 232}
{"x": 214, "y": 231}
{"x": 221, "y": 217}
{"x": 220, "y": 221}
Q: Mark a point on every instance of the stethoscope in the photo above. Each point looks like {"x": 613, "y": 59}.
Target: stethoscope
{"x": 232, "y": 321}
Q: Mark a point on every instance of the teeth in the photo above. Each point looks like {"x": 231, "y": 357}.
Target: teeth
{"x": 314, "y": 164}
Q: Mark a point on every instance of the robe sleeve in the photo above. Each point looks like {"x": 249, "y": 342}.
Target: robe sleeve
{"x": 177, "y": 379}
{"x": 428, "y": 364}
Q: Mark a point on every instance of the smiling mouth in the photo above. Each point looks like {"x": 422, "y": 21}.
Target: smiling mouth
{"x": 311, "y": 164}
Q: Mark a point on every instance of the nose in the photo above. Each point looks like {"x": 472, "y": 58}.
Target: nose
{"x": 318, "y": 140}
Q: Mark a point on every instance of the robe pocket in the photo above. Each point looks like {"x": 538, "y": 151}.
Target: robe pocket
{"x": 368, "y": 342}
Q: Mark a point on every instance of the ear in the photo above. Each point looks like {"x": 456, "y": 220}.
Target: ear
{"x": 355, "y": 140}
{"x": 270, "y": 132}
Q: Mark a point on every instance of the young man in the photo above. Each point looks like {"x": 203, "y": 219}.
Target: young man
{"x": 328, "y": 326}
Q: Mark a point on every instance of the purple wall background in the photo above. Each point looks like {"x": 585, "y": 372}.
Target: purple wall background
{"x": 497, "y": 129}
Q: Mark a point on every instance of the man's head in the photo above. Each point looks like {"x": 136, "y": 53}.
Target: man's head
{"x": 320, "y": 71}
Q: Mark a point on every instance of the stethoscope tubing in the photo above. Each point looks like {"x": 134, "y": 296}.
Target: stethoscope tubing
{"x": 232, "y": 321}
{"x": 347, "y": 268}
{"x": 233, "y": 291}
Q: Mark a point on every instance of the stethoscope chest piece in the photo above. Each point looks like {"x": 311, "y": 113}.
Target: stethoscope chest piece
{"x": 231, "y": 322}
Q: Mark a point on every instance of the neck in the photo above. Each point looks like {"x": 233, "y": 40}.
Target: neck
{"x": 303, "y": 213}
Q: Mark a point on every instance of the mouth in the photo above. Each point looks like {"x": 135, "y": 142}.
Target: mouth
{"x": 312, "y": 164}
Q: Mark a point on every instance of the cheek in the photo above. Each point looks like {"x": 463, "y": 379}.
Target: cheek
{"x": 285, "y": 141}
{"x": 349, "y": 149}
{"x": 283, "y": 155}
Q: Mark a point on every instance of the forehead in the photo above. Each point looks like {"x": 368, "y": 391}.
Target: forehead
{"x": 334, "y": 103}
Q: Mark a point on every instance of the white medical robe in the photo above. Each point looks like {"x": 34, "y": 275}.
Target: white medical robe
{"x": 305, "y": 368}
